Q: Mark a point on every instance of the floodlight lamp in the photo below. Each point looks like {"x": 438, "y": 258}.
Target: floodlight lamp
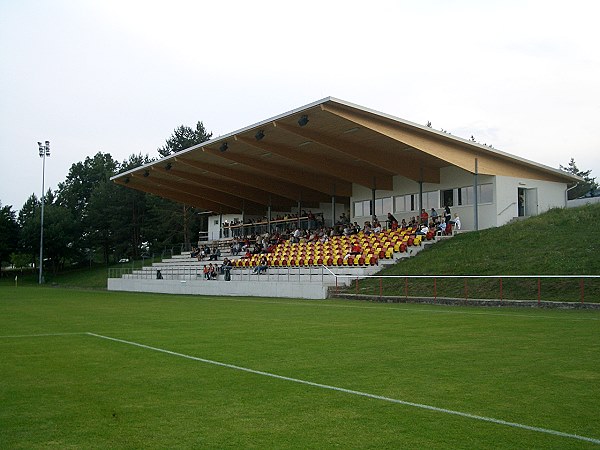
{"x": 302, "y": 121}
{"x": 41, "y": 149}
{"x": 223, "y": 147}
{"x": 259, "y": 135}
{"x": 47, "y": 148}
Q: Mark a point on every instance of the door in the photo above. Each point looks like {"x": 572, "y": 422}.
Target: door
{"x": 521, "y": 201}
{"x": 531, "y": 202}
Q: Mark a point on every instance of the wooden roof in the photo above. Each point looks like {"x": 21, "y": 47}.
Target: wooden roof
{"x": 282, "y": 160}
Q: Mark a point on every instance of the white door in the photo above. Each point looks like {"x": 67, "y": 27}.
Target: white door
{"x": 531, "y": 202}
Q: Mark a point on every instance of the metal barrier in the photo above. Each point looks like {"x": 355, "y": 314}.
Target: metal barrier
{"x": 494, "y": 287}
{"x": 195, "y": 272}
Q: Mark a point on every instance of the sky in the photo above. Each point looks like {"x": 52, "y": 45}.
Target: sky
{"x": 119, "y": 76}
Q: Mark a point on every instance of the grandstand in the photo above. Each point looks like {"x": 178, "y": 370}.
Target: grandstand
{"x": 298, "y": 270}
{"x": 336, "y": 159}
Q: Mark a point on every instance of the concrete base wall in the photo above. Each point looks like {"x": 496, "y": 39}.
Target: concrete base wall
{"x": 227, "y": 288}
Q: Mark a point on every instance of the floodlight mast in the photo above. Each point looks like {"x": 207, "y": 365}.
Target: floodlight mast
{"x": 43, "y": 150}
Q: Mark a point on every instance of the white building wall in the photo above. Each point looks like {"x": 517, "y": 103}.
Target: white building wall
{"x": 546, "y": 194}
{"x": 502, "y": 208}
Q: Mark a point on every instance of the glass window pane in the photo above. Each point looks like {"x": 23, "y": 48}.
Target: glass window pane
{"x": 399, "y": 207}
{"x": 358, "y": 209}
{"x": 378, "y": 206}
{"x": 486, "y": 193}
{"x": 447, "y": 197}
{"x": 387, "y": 205}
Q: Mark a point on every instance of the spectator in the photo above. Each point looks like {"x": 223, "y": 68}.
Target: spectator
{"x": 226, "y": 267}
{"x": 262, "y": 266}
{"x": 312, "y": 223}
{"x": 353, "y": 250}
{"x": 434, "y": 216}
{"x": 447, "y": 214}
{"x": 392, "y": 222}
{"x": 376, "y": 227}
{"x": 367, "y": 228}
{"x": 212, "y": 273}
{"x": 456, "y": 221}
{"x": 424, "y": 216}
{"x": 423, "y": 231}
{"x": 442, "y": 226}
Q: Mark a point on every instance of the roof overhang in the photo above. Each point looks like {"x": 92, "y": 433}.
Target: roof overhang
{"x": 314, "y": 153}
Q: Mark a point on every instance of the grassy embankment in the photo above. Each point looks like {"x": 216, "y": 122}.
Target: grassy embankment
{"x": 558, "y": 242}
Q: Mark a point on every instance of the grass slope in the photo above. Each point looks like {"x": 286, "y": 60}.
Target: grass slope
{"x": 558, "y": 242}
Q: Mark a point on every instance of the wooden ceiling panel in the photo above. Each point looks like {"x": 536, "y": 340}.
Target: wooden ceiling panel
{"x": 340, "y": 145}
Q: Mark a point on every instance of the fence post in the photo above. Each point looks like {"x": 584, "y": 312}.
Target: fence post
{"x": 500, "y": 289}
{"x": 539, "y": 290}
{"x": 380, "y": 287}
{"x": 434, "y": 289}
{"x": 466, "y": 291}
{"x": 356, "y": 285}
{"x": 581, "y": 288}
{"x": 406, "y": 287}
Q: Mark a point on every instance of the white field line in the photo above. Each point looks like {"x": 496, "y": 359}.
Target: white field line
{"x": 359, "y": 393}
{"x": 41, "y": 335}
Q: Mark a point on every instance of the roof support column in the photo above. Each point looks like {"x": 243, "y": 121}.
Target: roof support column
{"x": 421, "y": 195}
{"x": 332, "y": 208}
{"x": 373, "y": 216}
{"x": 299, "y": 204}
{"x": 269, "y": 216}
{"x": 243, "y": 218}
{"x": 220, "y": 225}
{"x": 476, "y": 197}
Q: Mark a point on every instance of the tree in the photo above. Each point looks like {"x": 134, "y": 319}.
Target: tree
{"x": 29, "y": 221}
{"x": 75, "y": 192}
{"x": 184, "y": 137}
{"x": 9, "y": 233}
{"x": 580, "y": 188}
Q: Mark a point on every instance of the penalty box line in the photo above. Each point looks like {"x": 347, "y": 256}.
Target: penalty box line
{"x": 353, "y": 392}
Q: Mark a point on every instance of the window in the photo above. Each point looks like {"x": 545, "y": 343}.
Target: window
{"x": 486, "y": 193}
{"x": 407, "y": 203}
{"x": 383, "y": 206}
{"x": 447, "y": 197}
{"x": 430, "y": 200}
{"x": 465, "y": 196}
{"x": 362, "y": 208}
{"x": 399, "y": 204}
{"x": 414, "y": 202}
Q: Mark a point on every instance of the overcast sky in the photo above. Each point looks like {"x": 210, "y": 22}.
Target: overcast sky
{"x": 119, "y": 76}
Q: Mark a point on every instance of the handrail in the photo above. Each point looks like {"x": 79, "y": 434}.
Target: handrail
{"x": 502, "y": 212}
{"x": 469, "y": 276}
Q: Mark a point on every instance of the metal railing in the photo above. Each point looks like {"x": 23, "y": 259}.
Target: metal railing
{"x": 538, "y": 288}
{"x": 195, "y": 272}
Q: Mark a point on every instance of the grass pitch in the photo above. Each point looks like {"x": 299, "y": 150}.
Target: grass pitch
{"x": 65, "y": 388}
